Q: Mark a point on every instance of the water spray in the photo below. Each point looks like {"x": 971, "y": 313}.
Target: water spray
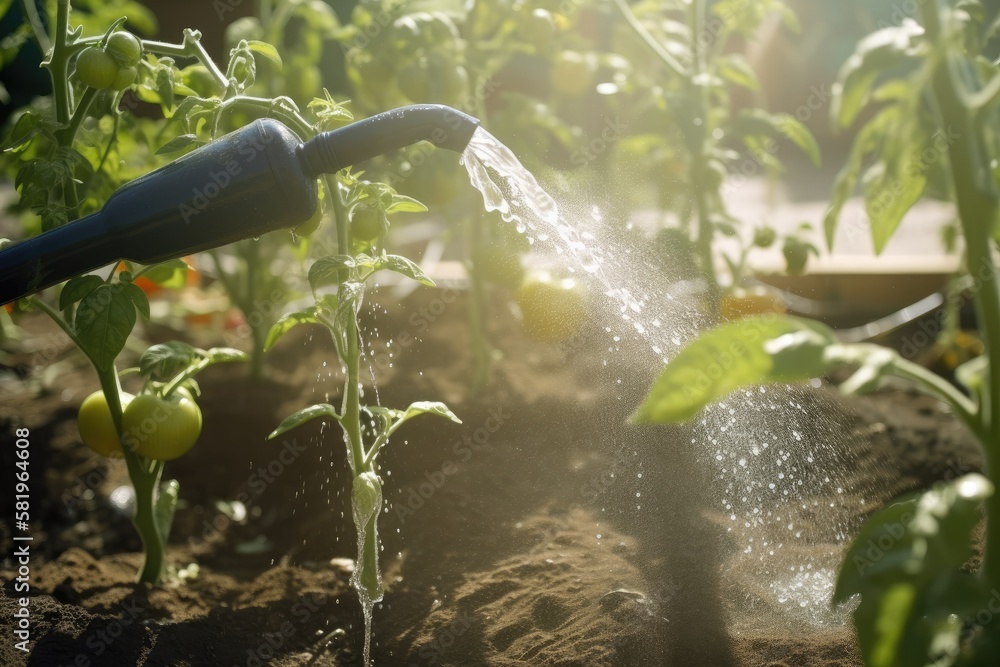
{"x": 255, "y": 180}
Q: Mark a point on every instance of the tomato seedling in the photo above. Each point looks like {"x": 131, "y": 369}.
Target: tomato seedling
{"x": 338, "y": 313}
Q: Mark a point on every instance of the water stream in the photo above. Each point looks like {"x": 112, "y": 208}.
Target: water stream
{"x": 767, "y": 474}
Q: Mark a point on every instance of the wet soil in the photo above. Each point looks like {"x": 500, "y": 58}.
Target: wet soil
{"x": 542, "y": 531}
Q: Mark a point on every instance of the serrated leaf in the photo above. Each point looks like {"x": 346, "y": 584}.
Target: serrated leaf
{"x": 76, "y": 289}
{"x": 288, "y": 322}
{"x": 163, "y": 361}
{"x": 319, "y": 411}
{"x": 104, "y": 320}
{"x": 326, "y": 270}
{"x": 264, "y": 49}
{"x": 732, "y": 356}
{"x": 177, "y": 144}
{"x": 406, "y": 267}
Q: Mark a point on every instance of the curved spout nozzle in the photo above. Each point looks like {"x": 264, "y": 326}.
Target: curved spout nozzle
{"x": 443, "y": 126}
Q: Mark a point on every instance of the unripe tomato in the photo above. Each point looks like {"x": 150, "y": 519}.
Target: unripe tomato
{"x": 366, "y": 222}
{"x": 162, "y": 428}
{"x": 553, "y": 309}
{"x": 764, "y": 237}
{"x": 739, "y": 302}
{"x": 312, "y": 224}
{"x": 96, "y": 68}
{"x": 125, "y": 78}
{"x": 571, "y": 74}
{"x": 97, "y": 427}
{"x": 124, "y": 48}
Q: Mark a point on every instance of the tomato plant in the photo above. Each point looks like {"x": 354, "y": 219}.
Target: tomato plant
{"x": 338, "y": 313}
{"x": 920, "y": 603}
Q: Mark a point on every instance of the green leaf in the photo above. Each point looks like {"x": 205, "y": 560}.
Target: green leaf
{"x": 799, "y": 134}
{"x": 180, "y": 143}
{"x": 326, "y": 270}
{"x": 319, "y": 411}
{"x": 879, "y": 52}
{"x": 843, "y": 189}
{"x": 163, "y": 361}
{"x": 403, "y": 204}
{"x": 288, "y": 322}
{"x": 735, "y": 69}
{"x": 220, "y": 355}
{"x": 266, "y": 50}
{"x": 104, "y": 320}
{"x": 408, "y": 268}
{"x": 906, "y": 565}
{"x": 893, "y": 185}
{"x": 746, "y": 352}
{"x": 139, "y": 299}
{"x": 77, "y": 288}
{"x": 171, "y": 274}
{"x": 429, "y": 408}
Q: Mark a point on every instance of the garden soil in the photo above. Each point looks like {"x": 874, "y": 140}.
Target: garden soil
{"x": 513, "y": 539}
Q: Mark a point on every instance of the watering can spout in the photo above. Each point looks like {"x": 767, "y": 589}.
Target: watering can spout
{"x": 256, "y": 180}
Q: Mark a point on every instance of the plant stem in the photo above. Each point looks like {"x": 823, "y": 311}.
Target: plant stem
{"x": 67, "y": 135}
{"x": 58, "y": 64}
{"x": 672, "y": 64}
{"x": 351, "y": 411}
{"x": 978, "y": 207}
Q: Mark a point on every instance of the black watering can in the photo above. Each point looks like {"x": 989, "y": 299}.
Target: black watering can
{"x": 255, "y": 180}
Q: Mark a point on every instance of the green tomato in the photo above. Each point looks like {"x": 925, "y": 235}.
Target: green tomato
{"x": 764, "y": 237}
{"x": 162, "y": 429}
{"x": 97, "y": 427}
{"x": 312, "y": 224}
{"x": 124, "y": 48}
{"x": 125, "y": 78}
{"x": 96, "y": 69}
{"x": 553, "y": 309}
{"x": 367, "y": 222}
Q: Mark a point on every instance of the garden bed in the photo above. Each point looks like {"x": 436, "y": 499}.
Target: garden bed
{"x": 542, "y": 531}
